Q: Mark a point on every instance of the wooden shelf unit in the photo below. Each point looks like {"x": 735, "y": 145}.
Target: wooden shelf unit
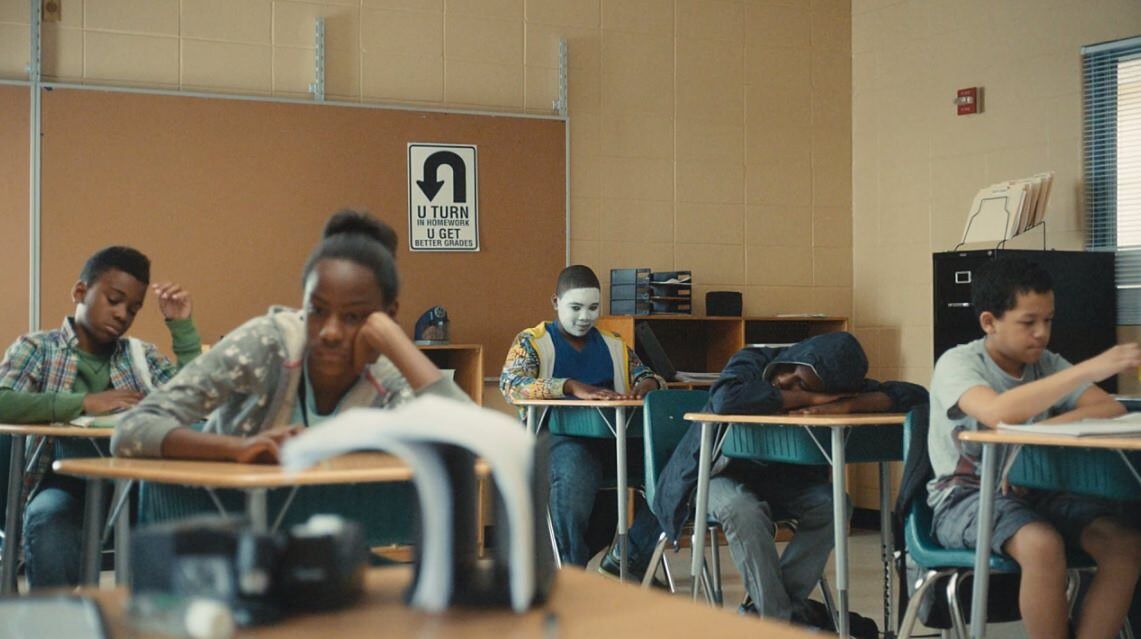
{"x": 705, "y": 344}
{"x": 466, "y": 360}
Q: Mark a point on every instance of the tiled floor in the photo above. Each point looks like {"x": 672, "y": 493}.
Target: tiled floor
{"x": 866, "y": 584}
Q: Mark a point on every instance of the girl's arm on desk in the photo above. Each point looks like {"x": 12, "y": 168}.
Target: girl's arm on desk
{"x": 263, "y": 448}
{"x": 230, "y": 368}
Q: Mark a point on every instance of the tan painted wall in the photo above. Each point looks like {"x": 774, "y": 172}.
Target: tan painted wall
{"x": 712, "y": 135}
{"x": 916, "y": 165}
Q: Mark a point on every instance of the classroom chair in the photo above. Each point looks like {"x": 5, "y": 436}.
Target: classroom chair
{"x": 663, "y": 427}
{"x": 577, "y": 422}
{"x": 950, "y": 566}
{"x": 386, "y": 511}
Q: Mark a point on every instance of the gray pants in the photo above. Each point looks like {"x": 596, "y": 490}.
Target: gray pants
{"x": 747, "y": 507}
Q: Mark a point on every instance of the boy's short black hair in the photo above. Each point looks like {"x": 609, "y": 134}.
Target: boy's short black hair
{"x": 576, "y": 276}
{"x": 123, "y": 258}
{"x": 998, "y": 283}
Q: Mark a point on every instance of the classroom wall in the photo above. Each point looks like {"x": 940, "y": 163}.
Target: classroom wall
{"x": 711, "y": 135}
{"x": 14, "y": 204}
{"x": 916, "y": 165}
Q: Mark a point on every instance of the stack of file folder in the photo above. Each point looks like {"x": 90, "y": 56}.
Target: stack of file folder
{"x": 1007, "y": 209}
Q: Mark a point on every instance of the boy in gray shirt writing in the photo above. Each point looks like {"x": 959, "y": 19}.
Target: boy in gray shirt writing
{"x": 1009, "y": 376}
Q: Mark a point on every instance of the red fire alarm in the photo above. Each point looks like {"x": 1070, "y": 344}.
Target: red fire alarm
{"x": 969, "y": 100}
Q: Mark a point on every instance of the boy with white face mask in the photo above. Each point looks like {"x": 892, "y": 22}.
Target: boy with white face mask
{"x": 566, "y": 359}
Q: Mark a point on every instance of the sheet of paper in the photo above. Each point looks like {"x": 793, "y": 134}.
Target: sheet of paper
{"x": 1128, "y": 424}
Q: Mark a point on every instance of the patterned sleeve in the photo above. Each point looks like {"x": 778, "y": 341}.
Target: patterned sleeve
{"x": 639, "y": 371}
{"x": 519, "y": 378}
{"x": 235, "y": 366}
{"x": 161, "y": 368}
{"x": 20, "y": 369}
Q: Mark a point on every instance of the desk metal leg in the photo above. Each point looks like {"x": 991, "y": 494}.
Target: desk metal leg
{"x": 701, "y": 508}
{"x": 532, "y": 422}
{"x": 13, "y": 515}
{"x": 840, "y": 529}
{"x": 981, "y": 581}
{"x": 620, "y": 452}
{"x": 92, "y": 532}
{"x": 887, "y": 548}
{"x": 256, "y": 509}
{"x": 122, "y": 515}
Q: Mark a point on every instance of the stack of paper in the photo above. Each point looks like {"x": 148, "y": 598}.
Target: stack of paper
{"x": 1127, "y": 424}
{"x": 1004, "y": 210}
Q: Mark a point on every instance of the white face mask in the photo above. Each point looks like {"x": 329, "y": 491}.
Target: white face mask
{"x": 578, "y": 310}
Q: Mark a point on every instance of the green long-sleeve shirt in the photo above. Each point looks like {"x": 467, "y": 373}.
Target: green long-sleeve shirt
{"x": 93, "y": 375}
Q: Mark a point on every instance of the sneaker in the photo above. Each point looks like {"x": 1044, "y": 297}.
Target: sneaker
{"x": 609, "y": 566}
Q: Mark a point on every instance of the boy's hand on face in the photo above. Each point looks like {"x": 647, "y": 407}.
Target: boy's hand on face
{"x": 110, "y": 401}
{"x": 173, "y": 301}
{"x": 572, "y": 388}
{"x": 1112, "y": 362}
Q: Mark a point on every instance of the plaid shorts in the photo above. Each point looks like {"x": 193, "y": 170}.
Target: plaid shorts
{"x": 955, "y": 522}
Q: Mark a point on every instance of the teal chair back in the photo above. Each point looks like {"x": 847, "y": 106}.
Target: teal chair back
{"x": 386, "y": 511}
{"x": 663, "y": 427}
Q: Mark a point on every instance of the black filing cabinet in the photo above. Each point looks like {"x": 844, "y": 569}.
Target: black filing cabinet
{"x": 1085, "y": 300}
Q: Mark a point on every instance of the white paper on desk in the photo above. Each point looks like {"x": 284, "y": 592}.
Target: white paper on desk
{"x": 97, "y": 421}
{"x": 408, "y": 432}
{"x": 1128, "y": 424}
{"x": 687, "y": 376}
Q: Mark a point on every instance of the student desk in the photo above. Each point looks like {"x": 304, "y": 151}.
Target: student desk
{"x": 990, "y": 440}
{"x": 838, "y": 425}
{"x": 582, "y": 606}
{"x": 19, "y": 464}
{"x": 617, "y": 428}
{"x": 254, "y": 479}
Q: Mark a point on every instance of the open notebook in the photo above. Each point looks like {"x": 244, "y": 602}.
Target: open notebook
{"x": 1128, "y": 424}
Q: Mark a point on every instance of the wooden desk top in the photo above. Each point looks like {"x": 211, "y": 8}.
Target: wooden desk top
{"x": 703, "y": 383}
{"x": 1035, "y": 439}
{"x": 346, "y": 469}
{"x": 55, "y": 430}
{"x": 583, "y": 606}
{"x": 595, "y": 403}
{"x": 449, "y": 347}
{"x": 851, "y": 419}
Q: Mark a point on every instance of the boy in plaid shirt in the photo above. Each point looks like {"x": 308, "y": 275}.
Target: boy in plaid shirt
{"x": 85, "y": 367}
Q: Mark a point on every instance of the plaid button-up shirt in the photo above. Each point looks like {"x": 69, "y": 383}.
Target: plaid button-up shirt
{"x": 47, "y": 362}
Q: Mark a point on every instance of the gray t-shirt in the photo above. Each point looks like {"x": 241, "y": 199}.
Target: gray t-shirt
{"x": 958, "y": 463}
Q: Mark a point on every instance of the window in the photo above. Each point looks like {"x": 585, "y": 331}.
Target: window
{"x": 1111, "y": 83}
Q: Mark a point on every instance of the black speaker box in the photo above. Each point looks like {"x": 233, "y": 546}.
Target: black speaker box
{"x": 723, "y": 304}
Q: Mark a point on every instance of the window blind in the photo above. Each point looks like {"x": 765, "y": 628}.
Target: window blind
{"x": 1111, "y": 135}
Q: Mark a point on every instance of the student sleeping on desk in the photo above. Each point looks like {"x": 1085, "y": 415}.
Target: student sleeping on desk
{"x": 821, "y": 375}
{"x": 288, "y": 369}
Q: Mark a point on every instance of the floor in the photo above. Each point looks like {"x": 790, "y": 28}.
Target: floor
{"x": 866, "y": 577}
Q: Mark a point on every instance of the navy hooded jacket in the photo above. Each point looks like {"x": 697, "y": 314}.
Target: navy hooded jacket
{"x": 743, "y": 388}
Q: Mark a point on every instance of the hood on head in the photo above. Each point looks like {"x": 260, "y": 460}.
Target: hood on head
{"x": 836, "y": 358}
